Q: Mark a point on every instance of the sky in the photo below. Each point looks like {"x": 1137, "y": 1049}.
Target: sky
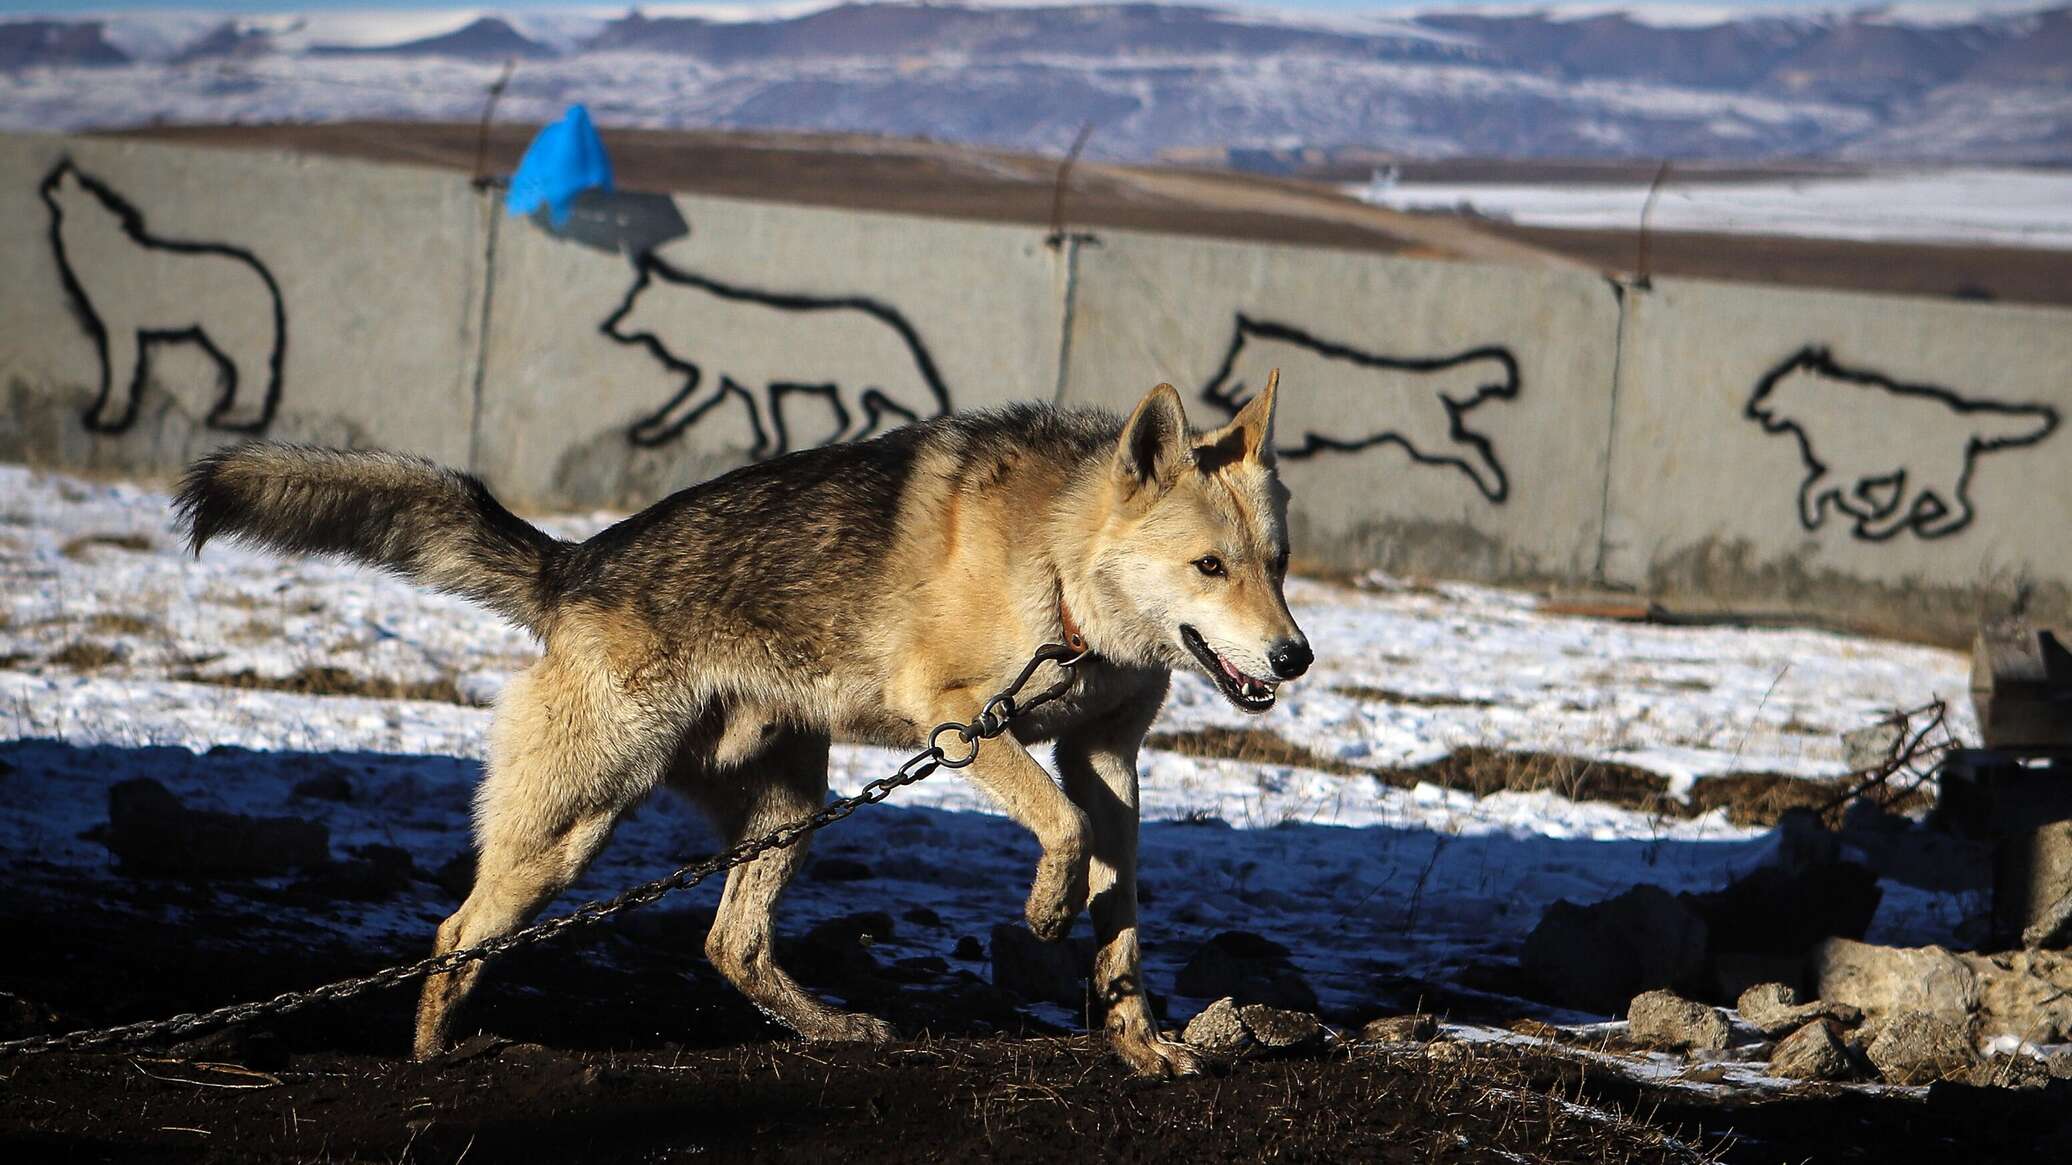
{"x": 97, "y": 6}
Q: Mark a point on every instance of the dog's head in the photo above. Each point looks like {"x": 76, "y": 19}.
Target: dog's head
{"x": 1793, "y": 389}
{"x": 1193, "y": 551}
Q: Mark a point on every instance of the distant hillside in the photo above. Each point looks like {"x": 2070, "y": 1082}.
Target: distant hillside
{"x": 1155, "y": 79}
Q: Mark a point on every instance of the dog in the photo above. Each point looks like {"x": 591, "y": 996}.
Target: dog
{"x": 716, "y": 641}
{"x": 863, "y": 357}
{"x": 1415, "y": 403}
{"x": 1891, "y": 456}
{"x": 133, "y": 290}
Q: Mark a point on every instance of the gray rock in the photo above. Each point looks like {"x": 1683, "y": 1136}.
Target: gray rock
{"x": 1039, "y": 971}
{"x": 154, "y": 835}
{"x": 1276, "y": 1029}
{"x": 1774, "y": 1009}
{"x": 1810, "y": 1053}
{"x": 1217, "y": 1028}
{"x": 1889, "y": 980}
{"x": 1249, "y": 969}
{"x": 1401, "y": 1029}
{"x": 1918, "y": 1047}
{"x": 1666, "y": 1020}
{"x": 1230, "y": 1028}
{"x": 1598, "y": 957}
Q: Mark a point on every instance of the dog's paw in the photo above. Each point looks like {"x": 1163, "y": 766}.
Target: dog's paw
{"x": 851, "y": 1027}
{"x": 1058, "y": 896}
{"x": 1158, "y": 1058}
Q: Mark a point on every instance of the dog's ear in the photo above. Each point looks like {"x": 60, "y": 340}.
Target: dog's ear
{"x": 1154, "y": 441}
{"x": 1248, "y": 436}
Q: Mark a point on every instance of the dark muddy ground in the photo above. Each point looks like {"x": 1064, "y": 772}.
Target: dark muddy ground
{"x": 625, "y": 1047}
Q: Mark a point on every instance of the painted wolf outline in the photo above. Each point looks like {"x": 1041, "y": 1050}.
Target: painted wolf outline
{"x": 1458, "y": 383}
{"x": 906, "y": 384}
{"x": 216, "y": 282}
{"x": 1923, "y": 490}
{"x": 716, "y": 641}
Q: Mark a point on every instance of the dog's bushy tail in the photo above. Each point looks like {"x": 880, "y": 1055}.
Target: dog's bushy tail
{"x": 431, "y": 525}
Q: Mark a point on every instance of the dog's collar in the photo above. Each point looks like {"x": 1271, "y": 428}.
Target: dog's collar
{"x": 1074, "y": 638}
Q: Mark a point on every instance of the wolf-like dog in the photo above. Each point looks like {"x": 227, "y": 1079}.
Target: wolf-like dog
{"x": 717, "y": 641}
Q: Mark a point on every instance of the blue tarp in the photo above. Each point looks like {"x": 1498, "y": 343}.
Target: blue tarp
{"x": 565, "y": 159}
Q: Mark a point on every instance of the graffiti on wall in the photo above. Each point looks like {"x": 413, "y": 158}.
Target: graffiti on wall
{"x": 135, "y": 291}
{"x": 1418, "y": 404}
{"x": 763, "y": 349}
{"x": 1889, "y": 455}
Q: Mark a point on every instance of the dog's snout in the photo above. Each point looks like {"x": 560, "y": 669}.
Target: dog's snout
{"x": 1290, "y": 658}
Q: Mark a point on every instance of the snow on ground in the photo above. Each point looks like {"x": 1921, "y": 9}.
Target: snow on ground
{"x": 110, "y": 638}
{"x": 2024, "y": 208}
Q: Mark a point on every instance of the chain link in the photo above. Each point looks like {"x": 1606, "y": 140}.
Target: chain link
{"x": 992, "y": 720}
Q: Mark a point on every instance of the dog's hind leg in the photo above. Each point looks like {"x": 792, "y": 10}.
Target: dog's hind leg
{"x": 784, "y": 782}
{"x": 566, "y": 760}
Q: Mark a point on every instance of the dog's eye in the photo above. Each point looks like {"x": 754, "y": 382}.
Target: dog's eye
{"x": 1209, "y": 565}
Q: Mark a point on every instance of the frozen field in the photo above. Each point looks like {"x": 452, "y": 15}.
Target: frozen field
{"x": 116, "y": 652}
{"x": 2010, "y": 207}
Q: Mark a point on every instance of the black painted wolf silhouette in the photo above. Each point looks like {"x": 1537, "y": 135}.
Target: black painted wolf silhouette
{"x": 760, "y": 347}
{"x": 133, "y": 290}
{"x": 1417, "y": 404}
{"x": 1892, "y": 456}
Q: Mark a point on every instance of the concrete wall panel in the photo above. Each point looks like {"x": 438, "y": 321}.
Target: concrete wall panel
{"x": 1439, "y": 418}
{"x": 615, "y": 380}
{"x": 301, "y": 299}
{"x": 1901, "y": 459}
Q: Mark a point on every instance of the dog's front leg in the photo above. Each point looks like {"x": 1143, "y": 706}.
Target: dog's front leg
{"x": 1006, "y": 771}
{"x": 1100, "y": 772}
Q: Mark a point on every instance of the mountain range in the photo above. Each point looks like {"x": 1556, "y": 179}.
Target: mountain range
{"x": 1872, "y": 84}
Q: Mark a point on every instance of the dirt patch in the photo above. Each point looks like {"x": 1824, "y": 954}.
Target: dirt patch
{"x": 85, "y": 655}
{"x": 1410, "y": 699}
{"x": 1483, "y": 771}
{"x": 78, "y": 547}
{"x": 336, "y": 681}
{"x": 1251, "y": 745}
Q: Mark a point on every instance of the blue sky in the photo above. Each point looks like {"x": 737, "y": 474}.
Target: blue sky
{"x": 86, "y": 6}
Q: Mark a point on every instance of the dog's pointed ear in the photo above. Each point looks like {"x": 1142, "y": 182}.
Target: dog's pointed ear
{"x": 1249, "y": 435}
{"x": 1154, "y": 441}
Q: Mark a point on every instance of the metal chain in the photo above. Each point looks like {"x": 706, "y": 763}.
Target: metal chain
{"x": 992, "y": 720}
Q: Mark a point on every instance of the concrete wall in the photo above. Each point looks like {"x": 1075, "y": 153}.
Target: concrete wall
{"x": 331, "y": 302}
{"x": 1899, "y": 462}
{"x": 616, "y": 378}
{"x": 1440, "y": 418}
{"x": 1905, "y": 458}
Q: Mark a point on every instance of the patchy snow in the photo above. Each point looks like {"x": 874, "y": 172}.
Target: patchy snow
{"x": 1370, "y": 884}
{"x": 2026, "y": 208}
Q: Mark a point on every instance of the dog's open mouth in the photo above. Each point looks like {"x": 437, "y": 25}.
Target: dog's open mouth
{"x": 1248, "y": 692}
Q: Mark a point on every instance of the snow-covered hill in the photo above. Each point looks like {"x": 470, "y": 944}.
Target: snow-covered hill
{"x": 1902, "y": 82}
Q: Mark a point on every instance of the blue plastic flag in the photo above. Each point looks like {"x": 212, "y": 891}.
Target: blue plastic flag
{"x": 565, "y": 159}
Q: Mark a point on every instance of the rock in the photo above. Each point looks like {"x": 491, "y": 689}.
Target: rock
{"x": 1872, "y": 746}
{"x": 2014, "y": 1071}
{"x": 968, "y": 949}
{"x": 2059, "y": 1064}
{"x": 1889, "y": 980}
{"x": 327, "y": 785}
{"x": 1228, "y": 1027}
{"x": 1780, "y": 912}
{"x": 1810, "y": 1053}
{"x": 1217, "y": 1028}
{"x": 837, "y": 951}
{"x": 2033, "y": 885}
{"x": 1401, "y": 1029}
{"x": 456, "y": 875}
{"x": 1277, "y": 1029}
{"x": 1917, "y": 1047}
{"x": 1598, "y": 957}
{"x": 1041, "y": 971}
{"x": 1666, "y": 1020}
{"x": 2026, "y": 994}
{"x": 922, "y": 916}
{"x": 1249, "y": 969}
{"x": 24, "y": 1017}
{"x": 838, "y": 870}
{"x": 1773, "y": 1009}
{"x": 154, "y": 835}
